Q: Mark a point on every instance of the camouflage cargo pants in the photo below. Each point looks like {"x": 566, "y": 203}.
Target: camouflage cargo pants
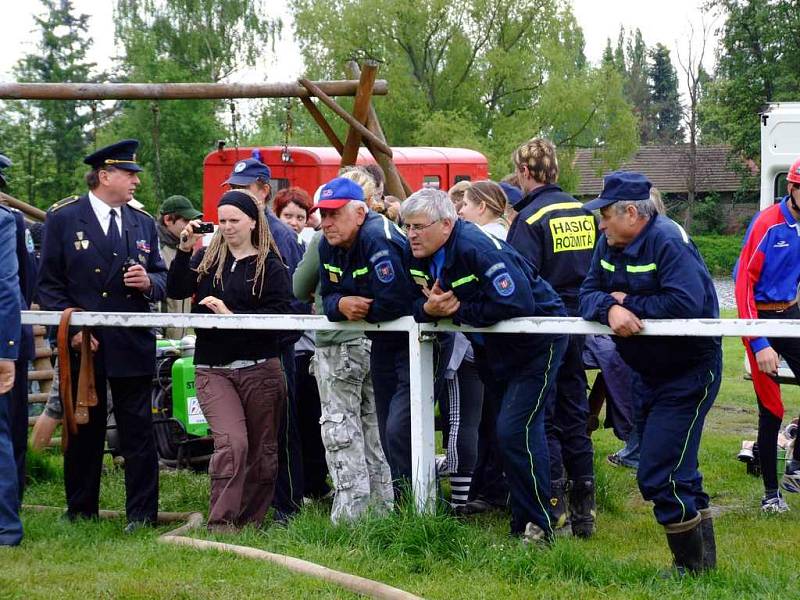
{"x": 359, "y": 470}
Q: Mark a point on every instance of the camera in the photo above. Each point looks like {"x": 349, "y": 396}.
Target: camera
{"x": 204, "y": 227}
{"x": 129, "y": 262}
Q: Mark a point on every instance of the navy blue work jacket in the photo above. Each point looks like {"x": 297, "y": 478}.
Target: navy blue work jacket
{"x": 10, "y": 297}
{"x": 555, "y": 233}
{"x": 493, "y": 282}
{"x": 664, "y": 277}
{"x": 79, "y": 269}
{"x": 372, "y": 267}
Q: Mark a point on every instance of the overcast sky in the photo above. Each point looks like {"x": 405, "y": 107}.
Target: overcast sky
{"x": 662, "y": 21}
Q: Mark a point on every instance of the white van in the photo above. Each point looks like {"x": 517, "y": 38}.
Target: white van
{"x": 780, "y": 147}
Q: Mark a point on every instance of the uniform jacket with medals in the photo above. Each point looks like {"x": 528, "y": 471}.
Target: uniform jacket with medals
{"x": 79, "y": 269}
{"x": 372, "y": 267}
{"x": 493, "y": 282}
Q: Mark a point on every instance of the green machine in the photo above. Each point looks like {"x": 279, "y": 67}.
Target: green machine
{"x": 185, "y": 407}
{"x": 181, "y": 431}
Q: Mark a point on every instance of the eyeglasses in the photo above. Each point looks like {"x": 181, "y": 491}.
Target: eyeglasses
{"x": 416, "y": 227}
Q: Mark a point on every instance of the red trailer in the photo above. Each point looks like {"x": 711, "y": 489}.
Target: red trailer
{"x": 310, "y": 167}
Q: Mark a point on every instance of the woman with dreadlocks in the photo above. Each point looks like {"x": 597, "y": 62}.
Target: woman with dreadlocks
{"x": 239, "y": 380}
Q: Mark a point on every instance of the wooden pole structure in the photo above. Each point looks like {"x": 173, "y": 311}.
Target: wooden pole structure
{"x": 176, "y": 91}
{"x": 37, "y": 214}
{"x": 360, "y": 111}
{"x": 326, "y": 128}
{"x": 395, "y": 184}
{"x": 348, "y": 118}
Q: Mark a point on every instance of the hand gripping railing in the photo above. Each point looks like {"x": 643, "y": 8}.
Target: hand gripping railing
{"x": 421, "y": 351}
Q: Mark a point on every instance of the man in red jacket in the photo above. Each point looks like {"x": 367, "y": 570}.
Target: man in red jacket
{"x": 767, "y": 275}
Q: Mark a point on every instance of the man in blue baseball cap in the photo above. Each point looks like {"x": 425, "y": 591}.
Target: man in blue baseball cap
{"x": 646, "y": 267}
{"x": 362, "y": 278}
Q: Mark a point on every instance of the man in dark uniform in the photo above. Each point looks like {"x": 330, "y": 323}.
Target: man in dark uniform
{"x": 10, "y": 332}
{"x": 100, "y": 254}
{"x": 18, "y": 404}
{"x": 461, "y": 272}
{"x": 361, "y": 278}
{"x": 646, "y": 267}
{"x": 254, "y": 176}
{"x": 557, "y": 235}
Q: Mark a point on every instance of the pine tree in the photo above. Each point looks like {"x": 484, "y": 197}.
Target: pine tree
{"x": 54, "y": 138}
{"x": 665, "y": 98}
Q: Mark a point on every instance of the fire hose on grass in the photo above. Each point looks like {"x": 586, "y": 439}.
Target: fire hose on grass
{"x": 194, "y": 520}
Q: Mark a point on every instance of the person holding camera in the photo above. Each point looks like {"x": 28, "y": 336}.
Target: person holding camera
{"x": 239, "y": 380}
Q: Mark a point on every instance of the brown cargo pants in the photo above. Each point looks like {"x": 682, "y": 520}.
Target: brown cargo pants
{"x": 243, "y": 407}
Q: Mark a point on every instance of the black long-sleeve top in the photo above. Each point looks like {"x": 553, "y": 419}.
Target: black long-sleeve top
{"x": 222, "y": 346}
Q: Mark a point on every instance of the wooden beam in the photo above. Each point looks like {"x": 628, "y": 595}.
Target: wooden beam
{"x": 348, "y": 118}
{"x": 360, "y": 111}
{"x": 323, "y": 124}
{"x": 175, "y": 91}
{"x": 395, "y": 184}
{"x": 37, "y": 214}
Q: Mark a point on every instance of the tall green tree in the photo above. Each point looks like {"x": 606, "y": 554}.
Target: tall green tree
{"x": 483, "y": 73}
{"x": 49, "y": 137}
{"x": 183, "y": 41}
{"x": 630, "y": 59}
{"x": 666, "y": 103}
{"x": 758, "y": 62}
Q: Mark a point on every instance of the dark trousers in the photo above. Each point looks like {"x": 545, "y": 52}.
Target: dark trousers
{"x": 83, "y": 460}
{"x": 10, "y": 524}
{"x": 18, "y": 419}
{"x": 768, "y": 424}
{"x": 289, "y": 489}
{"x": 390, "y": 381}
{"x": 522, "y": 439}
{"x": 566, "y": 418}
{"x": 315, "y": 469}
{"x": 673, "y": 412}
{"x": 462, "y": 416}
{"x": 488, "y": 479}
{"x": 243, "y": 408}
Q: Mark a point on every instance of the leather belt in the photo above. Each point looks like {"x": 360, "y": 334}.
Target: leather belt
{"x": 775, "y": 306}
{"x": 236, "y": 364}
{"x": 75, "y": 412}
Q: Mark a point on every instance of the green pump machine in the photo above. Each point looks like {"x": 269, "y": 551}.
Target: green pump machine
{"x": 182, "y": 433}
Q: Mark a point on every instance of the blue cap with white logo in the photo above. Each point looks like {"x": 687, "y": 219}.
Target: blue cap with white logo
{"x": 338, "y": 192}
{"x": 247, "y": 171}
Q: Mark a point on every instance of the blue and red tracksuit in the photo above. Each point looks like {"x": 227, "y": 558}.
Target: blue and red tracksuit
{"x": 768, "y": 271}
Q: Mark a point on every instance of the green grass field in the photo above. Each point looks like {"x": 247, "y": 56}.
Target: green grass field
{"x": 435, "y": 557}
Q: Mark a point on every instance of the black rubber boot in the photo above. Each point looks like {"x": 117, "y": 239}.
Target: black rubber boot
{"x": 709, "y": 543}
{"x": 559, "y": 510}
{"x": 687, "y": 549}
{"x": 582, "y": 507}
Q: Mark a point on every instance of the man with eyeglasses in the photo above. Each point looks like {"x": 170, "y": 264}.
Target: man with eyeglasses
{"x": 767, "y": 275}
{"x": 462, "y": 273}
{"x": 361, "y": 278}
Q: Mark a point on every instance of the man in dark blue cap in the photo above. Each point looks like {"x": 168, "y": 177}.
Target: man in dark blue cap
{"x": 253, "y": 175}
{"x": 646, "y": 267}
{"x": 10, "y": 333}
{"x": 100, "y": 254}
{"x": 18, "y": 399}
